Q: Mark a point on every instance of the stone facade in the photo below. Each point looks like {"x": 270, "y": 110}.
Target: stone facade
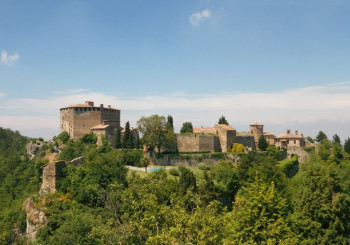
{"x": 246, "y": 140}
{"x": 78, "y": 120}
{"x": 289, "y": 139}
{"x": 227, "y": 136}
{"x": 256, "y": 129}
{"x": 195, "y": 142}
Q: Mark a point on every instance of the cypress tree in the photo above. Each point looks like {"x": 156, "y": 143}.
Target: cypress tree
{"x": 126, "y": 138}
{"x": 118, "y": 138}
{"x": 223, "y": 120}
{"x": 170, "y": 122}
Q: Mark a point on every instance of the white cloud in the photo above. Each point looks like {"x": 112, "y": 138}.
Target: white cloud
{"x": 2, "y": 94}
{"x": 196, "y": 18}
{"x": 308, "y": 109}
{"x": 8, "y": 60}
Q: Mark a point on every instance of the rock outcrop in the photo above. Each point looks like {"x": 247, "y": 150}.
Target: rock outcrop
{"x": 36, "y": 218}
{"x": 33, "y": 147}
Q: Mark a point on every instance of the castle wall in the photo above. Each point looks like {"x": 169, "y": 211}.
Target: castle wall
{"x": 247, "y": 141}
{"x": 187, "y": 142}
{"x": 84, "y": 120}
{"x": 195, "y": 142}
{"x": 256, "y": 131}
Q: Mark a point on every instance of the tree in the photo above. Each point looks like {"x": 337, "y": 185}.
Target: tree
{"x": 222, "y": 120}
{"x": 170, "y": 122}
{"x": 336, "y": 139}
{"x": 155, "y": 133}
{"x": 347, "y": 145}
{"x": 238, "y": 148}
{"x": 311, "y": 140}
{"x": 186, "y": 128}
{"x": 320, "y": 137}
{"x": 128, "y": 138}
{"x": 259, "y": 216}
{"x": 262, "y": 144}
{"x": 118, "y": 138}
{"x": 145, "y": 162}
{"x": 187, "y": 180}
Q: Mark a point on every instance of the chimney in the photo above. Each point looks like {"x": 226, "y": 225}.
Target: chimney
{"x": 109, "y": 106}
{"x": 288, "y": 131}
{"x": 302, "y": 135}
{"x": 90, "y": 103}
{"x": 101, "y": 105}
{"x": 296, "y": 132}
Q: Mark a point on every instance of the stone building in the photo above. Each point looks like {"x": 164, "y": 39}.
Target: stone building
{"x": 257, "y": 130}
{"x": 78, "y": 120}
{"x": 289, "y": 139}
{"x": 270, "y": 138}
{"x": 215, "y": 139}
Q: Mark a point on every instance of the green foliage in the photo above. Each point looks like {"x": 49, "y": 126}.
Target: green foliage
{"x": 174, "y": 172}
{"x": 202, "y": 166}
{"x": 128, "y": 138}
{"x": 145, "y": 162}
{"x": 187, "y": 181}
{"x": 290, "y": 166}
{"x": 311, "y": 140}
{"x": 170, "y": 122}
{"x": 222, "y": 120}
{"x": 63, "y": 137}
{"x": 186, "y": 128}
{"x": 89, "y": 138}
{"x": 155, "y": 132}
{"x": 321, "y": 136}
{"x": 262, "y": 143}
{"x": 259, "y": 216}
{"x": 347, "y": 145}
{"x": 238, "y": 148}
{"x": 336, "y": 139}
{"x": 118, "y": 138}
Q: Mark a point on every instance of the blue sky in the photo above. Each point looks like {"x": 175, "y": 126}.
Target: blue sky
{"x": 134, "y": 53}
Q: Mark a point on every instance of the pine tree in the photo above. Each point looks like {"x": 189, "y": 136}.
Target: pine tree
{"x": 118, "y": 138}
{"x": 347, "y": 145}
{"x": 320, "y": 137}
{"x": 223, "y": 120}
{"x": 336, "y": 139}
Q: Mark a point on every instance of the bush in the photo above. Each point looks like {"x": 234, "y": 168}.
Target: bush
{"x": 64, "y": 137}
{"x": 174, "y": 172}
{"x": 202, "y": 166}
{"x": 89, "y": 138}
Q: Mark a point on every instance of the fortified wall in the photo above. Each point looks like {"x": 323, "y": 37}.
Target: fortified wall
{"x": 198, "y": 143}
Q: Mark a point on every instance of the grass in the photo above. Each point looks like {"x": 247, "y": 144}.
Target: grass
{"x": 197, "y": 172}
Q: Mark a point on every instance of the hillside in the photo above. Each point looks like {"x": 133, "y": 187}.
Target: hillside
{"x": 259, "y": 200}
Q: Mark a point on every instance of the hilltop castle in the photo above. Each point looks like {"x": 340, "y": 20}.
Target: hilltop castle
{"x": 80, "y": 119}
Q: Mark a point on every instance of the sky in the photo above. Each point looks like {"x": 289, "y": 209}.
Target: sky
{"x": 285, "y": 64}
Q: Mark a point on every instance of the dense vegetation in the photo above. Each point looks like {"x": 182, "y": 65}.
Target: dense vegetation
{"x": 260, "y": 200}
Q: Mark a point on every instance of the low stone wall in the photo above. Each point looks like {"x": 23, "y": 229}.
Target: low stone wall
{"x": 208, "y": 159}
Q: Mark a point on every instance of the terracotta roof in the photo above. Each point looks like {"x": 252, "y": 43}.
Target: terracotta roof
{"x": 87, "y": 106}
{"x": 224, "y": 126}
{"x": 289, "y": 136}
{"x": 256, "y": 124}
{"x": 204, "y": 130}
{"x": 268, "y": 134}
{"x": 100, "y": 126}
{"x": 244, "y": 134}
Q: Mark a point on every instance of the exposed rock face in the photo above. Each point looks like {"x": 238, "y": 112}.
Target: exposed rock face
{"x": 36, "y": 218}
{"x": 33, "y": 148}
{"x": 51, "y": 172}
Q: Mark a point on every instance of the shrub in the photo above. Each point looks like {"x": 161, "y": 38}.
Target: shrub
{"x": 202, "y": 166}
{"x": 174, "y": 172}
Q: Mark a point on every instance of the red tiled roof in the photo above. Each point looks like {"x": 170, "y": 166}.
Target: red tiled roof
{"x": 224, "y": 126}
{"x": 204, "y": 130}
{"x": 268, "y": 134}
{"x": 289, "y": 136}
{"x": 100, "y": 126}
{"x": 87, "y": 106}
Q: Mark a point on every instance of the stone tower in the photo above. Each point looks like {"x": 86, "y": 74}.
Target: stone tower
{"x": 78, "y": 120}
{"x": 256, "y": 129}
